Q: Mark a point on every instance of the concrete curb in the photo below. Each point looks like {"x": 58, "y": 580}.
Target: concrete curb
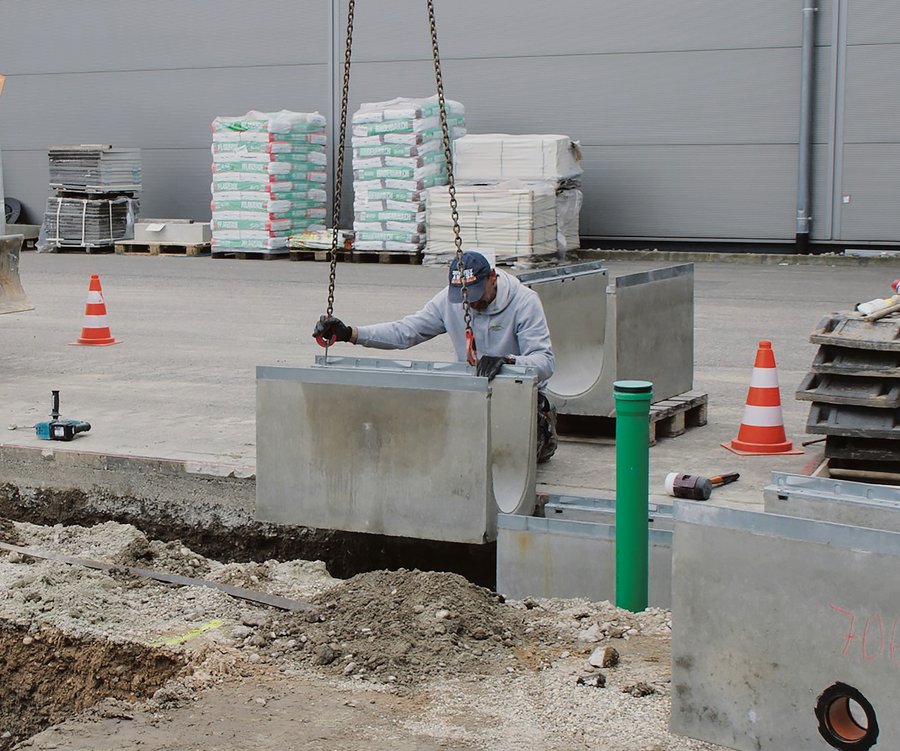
{"x": 754, "y": 259}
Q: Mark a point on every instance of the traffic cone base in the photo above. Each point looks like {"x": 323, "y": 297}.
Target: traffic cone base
{"x": 95, "y": 331}
{"x": 762, "y": 427}
{"x": 741, "y": 448}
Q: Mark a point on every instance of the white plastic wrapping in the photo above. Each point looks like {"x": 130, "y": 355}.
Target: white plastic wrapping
{"x": 398, "y": 155}
{"x": 514, "y": 219}
{"x": 269, "y": 173}
{"x": 487, "y": 157}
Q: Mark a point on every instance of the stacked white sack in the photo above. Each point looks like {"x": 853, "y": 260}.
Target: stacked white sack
{"x": 514, "y": 219}
{"x": 397, "y": 155}
{"x": 269, "y": 173}
{"x": 495, "y": 157}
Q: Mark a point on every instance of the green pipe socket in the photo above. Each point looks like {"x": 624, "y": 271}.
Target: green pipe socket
{"x": 632, "y": 493}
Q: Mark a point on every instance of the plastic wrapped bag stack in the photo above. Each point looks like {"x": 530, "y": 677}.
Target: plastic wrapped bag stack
{"x": 397, "y": 155}
{"x": 269, "y": 173}
{"x": 492, "y": 158}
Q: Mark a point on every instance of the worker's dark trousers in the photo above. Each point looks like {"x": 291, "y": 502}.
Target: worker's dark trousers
{"x": 546, "y": 428}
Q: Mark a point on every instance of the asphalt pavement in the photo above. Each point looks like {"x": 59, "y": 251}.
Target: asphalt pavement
{"x": 181, "y": 382}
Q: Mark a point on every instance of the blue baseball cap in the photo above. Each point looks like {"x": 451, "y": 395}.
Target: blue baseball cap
{"x": 476, "y": 270}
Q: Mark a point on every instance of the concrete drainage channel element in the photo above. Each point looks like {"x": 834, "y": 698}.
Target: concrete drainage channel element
{"x": 409, "y": 449}
{"x": 640, "y": 326}
{"x": 787, "y": 628}
{"x": 48, "y": 676}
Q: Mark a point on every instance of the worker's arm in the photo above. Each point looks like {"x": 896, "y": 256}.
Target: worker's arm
{"x": 407, "y": 332}
{"x": 533, "y": 337}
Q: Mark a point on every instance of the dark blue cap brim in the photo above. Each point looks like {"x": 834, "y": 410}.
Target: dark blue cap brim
{"x": 475, "y": 290}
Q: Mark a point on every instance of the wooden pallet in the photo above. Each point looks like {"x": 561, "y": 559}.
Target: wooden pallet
{"x": 161, "y": 249}
{"x": 668, "y": 418}
{"x": 90, "y": 249}
{"x": 261, "y": 255}
{"x": 879, "y": 473}
{"x": 386, "y": 256}
{"x": 315, "y": 254}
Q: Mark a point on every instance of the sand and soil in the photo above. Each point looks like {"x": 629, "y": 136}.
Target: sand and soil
{"x": 416, "y": 660}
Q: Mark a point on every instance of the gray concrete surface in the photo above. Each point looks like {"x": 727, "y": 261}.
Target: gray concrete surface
{"x": 772, "y": 611}
{"x": 181, "y": 385}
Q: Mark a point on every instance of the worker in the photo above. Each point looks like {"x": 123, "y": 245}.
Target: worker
{"x": 507, "y": 320}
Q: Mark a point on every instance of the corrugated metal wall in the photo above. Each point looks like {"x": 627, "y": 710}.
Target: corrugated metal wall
{"x": 687, "y": 110}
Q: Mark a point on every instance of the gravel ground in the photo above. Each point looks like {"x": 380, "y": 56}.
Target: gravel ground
{"x": 443, "y": 659}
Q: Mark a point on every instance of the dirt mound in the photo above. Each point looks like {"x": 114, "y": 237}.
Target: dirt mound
{"x": 8, "y": 532}
{"x": 402, "y": 627}
{"x": 170, "y": 557}
{"x": 48, "y": 675}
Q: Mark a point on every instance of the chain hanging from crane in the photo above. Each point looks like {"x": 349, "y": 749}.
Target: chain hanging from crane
{"x": 471, "y": 350}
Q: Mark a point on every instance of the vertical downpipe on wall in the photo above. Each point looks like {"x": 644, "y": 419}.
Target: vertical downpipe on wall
{"x": 804, "y": 169}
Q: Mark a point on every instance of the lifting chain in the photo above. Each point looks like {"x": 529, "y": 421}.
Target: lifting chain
{"x": 471, "y": 353}
{"x": 339, "y": 173}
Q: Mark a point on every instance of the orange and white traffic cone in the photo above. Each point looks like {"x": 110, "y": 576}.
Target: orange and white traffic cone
{"x": 96, "y": 328}
{"x": 762, "y": 427}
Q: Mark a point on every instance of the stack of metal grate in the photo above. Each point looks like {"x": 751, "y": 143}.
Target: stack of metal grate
{"x": 854, "y": 387}
{"x": 88, "y": 222}
{"x": 95, "y": 168}
{"x": 95, "y": 196}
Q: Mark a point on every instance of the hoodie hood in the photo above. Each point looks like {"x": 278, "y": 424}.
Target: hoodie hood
{"x": 507, "y": 286}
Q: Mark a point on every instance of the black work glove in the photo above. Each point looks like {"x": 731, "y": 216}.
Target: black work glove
{"x": 329, "y": 326}
{"x": 489, "y": 365}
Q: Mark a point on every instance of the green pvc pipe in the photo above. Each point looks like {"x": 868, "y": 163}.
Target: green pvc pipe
{"x": 632, "y": 491}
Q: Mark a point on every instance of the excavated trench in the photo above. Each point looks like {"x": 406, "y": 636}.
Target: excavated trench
{"x": 232, "y": 535}
{"x": 48, "y": 676}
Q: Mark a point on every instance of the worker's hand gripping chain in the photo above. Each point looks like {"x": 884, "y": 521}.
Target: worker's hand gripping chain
{"x": 471, "y": 348}
{"x": 338, "y": 177}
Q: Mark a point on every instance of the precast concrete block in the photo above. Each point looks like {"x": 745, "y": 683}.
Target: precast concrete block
{"x": 786, "y": 631}
{"x": 860, "y": 504}
{"x": 573, "y": 553}
{"x": 402, "y": 448}
{"x": 639, "y": 327}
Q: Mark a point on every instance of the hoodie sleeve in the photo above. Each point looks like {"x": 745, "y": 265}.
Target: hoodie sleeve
{"x": 407, "y": 332}
{"x": 533, "y": 336}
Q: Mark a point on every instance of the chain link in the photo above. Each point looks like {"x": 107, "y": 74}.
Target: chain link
{"x": 339, "y": 173}
{"x": 448, "y": 157}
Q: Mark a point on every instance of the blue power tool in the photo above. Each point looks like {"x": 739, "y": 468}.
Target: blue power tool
{"x": 59, "y": 430}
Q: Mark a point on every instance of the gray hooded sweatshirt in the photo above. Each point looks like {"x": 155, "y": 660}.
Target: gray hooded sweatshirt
{"x": 513, "y": 324}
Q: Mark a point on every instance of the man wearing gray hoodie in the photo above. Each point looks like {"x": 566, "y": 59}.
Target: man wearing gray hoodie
{"x": 508, "y": 324}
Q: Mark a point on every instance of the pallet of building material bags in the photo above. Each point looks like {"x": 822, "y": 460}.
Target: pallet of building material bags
{"x": 516, "y": 220}
{"x": 315, "y": 245}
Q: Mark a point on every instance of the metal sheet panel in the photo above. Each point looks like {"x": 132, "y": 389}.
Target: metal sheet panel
{"x": 871, "y": 186}
{"x": 860, "y": 504}
{"x": 666, "y": 98}
{"x": 770, "y": 612}
{"x": 150, "y": 108}
{"x": 526, "y": 28}
{"x": 164, "y": 34}
{"x": 564, "y": 558}
{"x": 872, "y": 22}
{"x": 872, "y": 96}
